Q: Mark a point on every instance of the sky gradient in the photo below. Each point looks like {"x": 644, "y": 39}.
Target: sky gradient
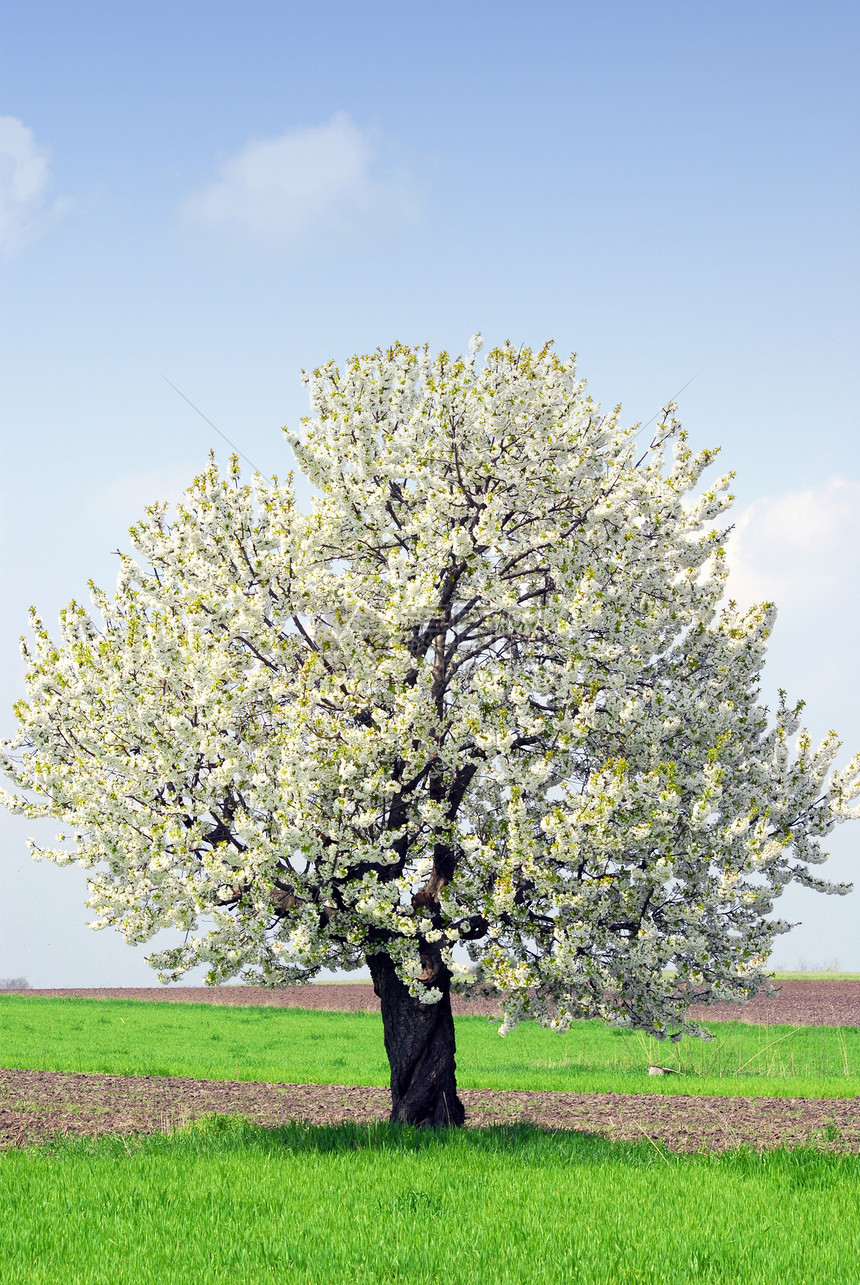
{"x": 220, "y": 197}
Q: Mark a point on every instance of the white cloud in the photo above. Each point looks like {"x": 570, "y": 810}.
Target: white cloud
{"x": 325, "y": 178}
{"x": 797, "y": 549}
{"x": 24, "y": 178}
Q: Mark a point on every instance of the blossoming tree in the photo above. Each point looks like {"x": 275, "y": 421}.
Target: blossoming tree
{"x": 479, "y": 719}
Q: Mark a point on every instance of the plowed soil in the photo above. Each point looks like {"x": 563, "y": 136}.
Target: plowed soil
{"x": 38, "y": 1105}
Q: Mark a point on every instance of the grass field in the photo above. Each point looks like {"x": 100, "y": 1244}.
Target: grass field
{"x": 299, "y": 1046}
{"x": 224, "y": 1201}
{"x": 227, "y": 1202}
{"x": 817, "y": 975}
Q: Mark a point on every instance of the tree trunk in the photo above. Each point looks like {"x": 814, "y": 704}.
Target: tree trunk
{"x": 419, "y": 1041}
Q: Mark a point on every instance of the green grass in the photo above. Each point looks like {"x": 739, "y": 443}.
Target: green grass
{"x": 223, "y": 1201}
{"x": 135, "y": 1037}
{"x": 227, "y": 1202}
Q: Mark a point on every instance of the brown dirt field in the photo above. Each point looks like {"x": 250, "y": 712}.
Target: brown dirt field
{"x": 38, "y": 1105}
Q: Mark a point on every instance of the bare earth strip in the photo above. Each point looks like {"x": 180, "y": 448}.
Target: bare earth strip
{"x": 38, "y": 1105}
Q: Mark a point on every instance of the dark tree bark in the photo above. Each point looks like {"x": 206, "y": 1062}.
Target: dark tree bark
{"x": 419, "y": 1041}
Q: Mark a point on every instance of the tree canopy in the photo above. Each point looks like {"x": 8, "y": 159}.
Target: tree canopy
{"x": 483, "y": 716}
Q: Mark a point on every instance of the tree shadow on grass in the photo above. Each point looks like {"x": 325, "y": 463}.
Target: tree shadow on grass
{"x": 806, "y": 1167}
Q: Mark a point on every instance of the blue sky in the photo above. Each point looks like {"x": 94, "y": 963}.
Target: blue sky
{"x": 223, "y": 195}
